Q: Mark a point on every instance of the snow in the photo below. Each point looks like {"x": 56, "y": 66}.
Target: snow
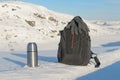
{"x": 21, "y": 21}
{"x": 15, "y": 33}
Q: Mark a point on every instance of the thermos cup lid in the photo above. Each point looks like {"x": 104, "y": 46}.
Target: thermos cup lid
{"x": 32, "y": 47}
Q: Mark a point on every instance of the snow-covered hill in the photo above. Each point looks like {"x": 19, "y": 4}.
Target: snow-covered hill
{"x": 21, "y": 23}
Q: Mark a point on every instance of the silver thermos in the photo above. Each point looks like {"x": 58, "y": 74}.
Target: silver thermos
{"x": 32, "y": 55}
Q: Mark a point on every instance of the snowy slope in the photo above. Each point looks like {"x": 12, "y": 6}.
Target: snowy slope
{"x": 110, "y": 25}
{"x": 21, "y": 23}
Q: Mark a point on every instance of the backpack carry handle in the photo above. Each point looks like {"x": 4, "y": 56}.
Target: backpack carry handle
{"x": 97, "y": 62}
{"x": 94, "y": 56}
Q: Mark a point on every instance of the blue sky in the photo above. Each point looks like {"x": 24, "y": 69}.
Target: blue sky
{"x": 88, "y": 9}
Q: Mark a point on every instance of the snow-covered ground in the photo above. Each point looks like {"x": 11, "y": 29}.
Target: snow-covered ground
{"x": 13, "y": 64}
{"x": 21, "y": 23}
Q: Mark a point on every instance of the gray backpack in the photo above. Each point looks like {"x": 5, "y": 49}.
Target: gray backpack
{"x": 75, "y": 44}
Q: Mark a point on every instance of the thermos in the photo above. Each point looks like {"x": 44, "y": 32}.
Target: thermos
{"x": 32, "y": 55}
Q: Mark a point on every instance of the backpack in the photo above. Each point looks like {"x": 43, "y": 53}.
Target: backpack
{"x": 75, "y": 44}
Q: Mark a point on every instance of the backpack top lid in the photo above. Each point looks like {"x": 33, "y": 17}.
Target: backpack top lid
{"x": 77, "y": 25}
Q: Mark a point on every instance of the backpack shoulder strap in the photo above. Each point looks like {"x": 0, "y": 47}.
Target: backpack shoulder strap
{"x": 94, "y": 56}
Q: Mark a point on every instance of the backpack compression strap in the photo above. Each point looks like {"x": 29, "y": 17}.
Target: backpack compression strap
{"x": 94, "y": 56}
{"x": 73, "y": 36}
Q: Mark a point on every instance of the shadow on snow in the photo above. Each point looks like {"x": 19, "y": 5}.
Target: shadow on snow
{"x": 109, "y": 73}
{"x": 40, "y": 58}
{"x": 15, "y": 61}
{"x": 112, "y": 44}
{"x": 109, "y": 47}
